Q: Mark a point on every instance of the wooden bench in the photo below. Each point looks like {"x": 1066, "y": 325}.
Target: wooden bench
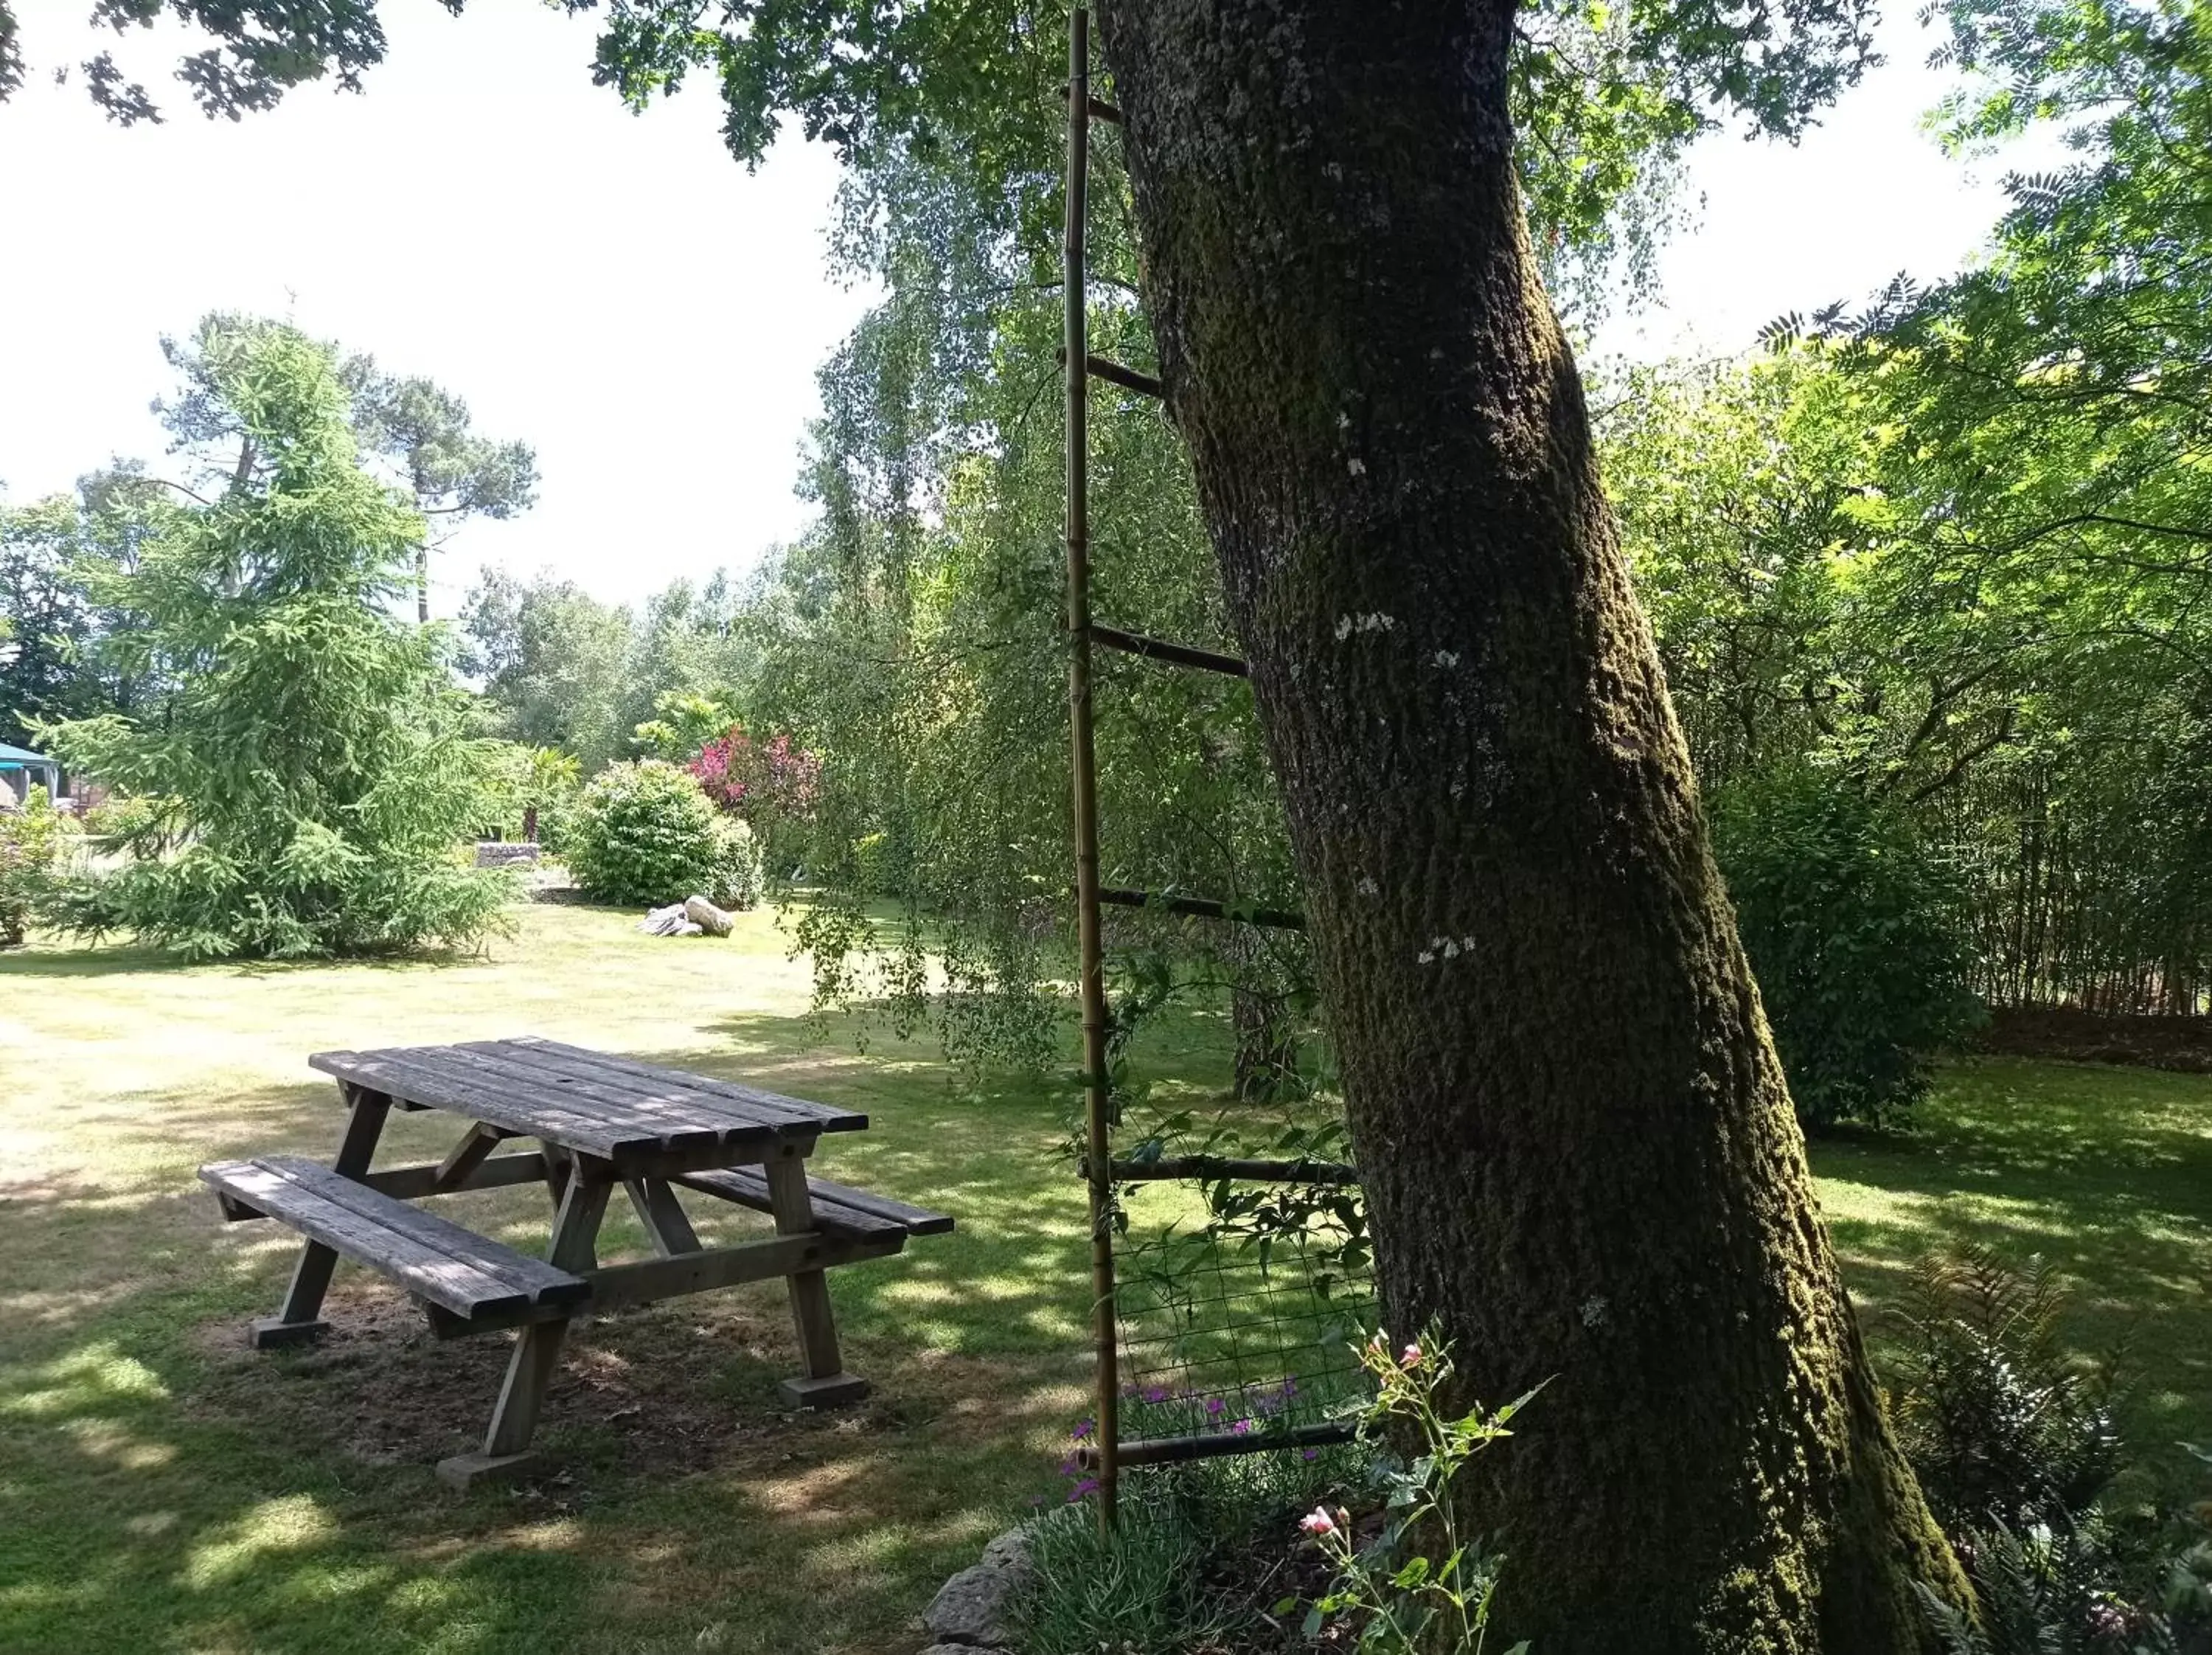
{"x": 479, "y": 1283}
{"x": 849, "y": 1214}
{"x": 604, "y": 1125}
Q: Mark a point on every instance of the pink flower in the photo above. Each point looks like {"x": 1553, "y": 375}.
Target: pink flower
{"x": 1317, "y": 1522}
{"x": 1410, "y": 1357}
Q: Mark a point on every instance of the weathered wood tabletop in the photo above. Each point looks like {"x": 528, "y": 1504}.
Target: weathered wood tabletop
{"x": 599, "y": 1122}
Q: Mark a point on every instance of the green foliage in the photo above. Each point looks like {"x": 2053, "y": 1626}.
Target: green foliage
{"x": 562, "y": 669}
{"x": 1141, "y": 1586}
{"x": 2003, "y": 1430}
{"x": 32, "y": 842}
{"x": 682, "y": 721}
{"x": 306, "y": 757}
{"x": 646, "y": 833}
{"x": 1853, "y": 934}
{"x": 1165, "y": 1580}
{"x": 52, "y": 553}
{"x": 740, "y": 876}
{"x": 526, "y": 787}
{"x": 1400, "y": 1600}
{"x": 2043, "y": 1593}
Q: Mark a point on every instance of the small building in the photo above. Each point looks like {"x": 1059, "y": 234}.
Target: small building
{"x": 22, "y": 770}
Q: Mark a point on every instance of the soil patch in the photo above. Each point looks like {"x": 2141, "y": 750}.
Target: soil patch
{"x": 2080, "y": 1037}
{"x": 657, "y": 1391}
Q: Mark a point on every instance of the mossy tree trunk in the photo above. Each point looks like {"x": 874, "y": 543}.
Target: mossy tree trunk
{"x": 1578, "y": 1147}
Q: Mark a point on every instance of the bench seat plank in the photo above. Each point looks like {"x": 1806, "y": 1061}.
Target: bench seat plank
{"x": 839, "y": 1210}
{"x": 432, "y": 1257}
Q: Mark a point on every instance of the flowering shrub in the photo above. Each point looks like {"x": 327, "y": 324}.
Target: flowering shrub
{"x": 1407, "y": 1604}
{"x": 773, "y": 780}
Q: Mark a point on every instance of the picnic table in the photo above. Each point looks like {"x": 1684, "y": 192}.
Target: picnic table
{"x": 599, "y": 1123}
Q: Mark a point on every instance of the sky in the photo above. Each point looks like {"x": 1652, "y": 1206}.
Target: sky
{"x": 616, "y": 291}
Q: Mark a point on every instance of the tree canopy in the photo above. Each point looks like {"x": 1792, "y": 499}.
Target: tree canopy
{"x": 305, "y": 770}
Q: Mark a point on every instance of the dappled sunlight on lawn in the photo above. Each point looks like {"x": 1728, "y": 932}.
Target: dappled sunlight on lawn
{"x": 2105, "y": 1173}
{"x": 163, "y": 1486}
{"x": 169, "y": 1487}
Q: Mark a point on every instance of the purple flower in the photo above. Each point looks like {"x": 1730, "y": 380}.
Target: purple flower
{"x": 1310, "y": 1455}
{"x": 1242, "y": 1429}
{"x": 1157, "y": 1394}
{"x": 1082, "y": 1428}
{"x": 1215, "y": 1408}
{"x": 1068, "y": 1468}
{"x": 1088, "y": 1485}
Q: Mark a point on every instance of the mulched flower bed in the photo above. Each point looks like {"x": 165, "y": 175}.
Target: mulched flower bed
{"x": 2080, "y": 1037}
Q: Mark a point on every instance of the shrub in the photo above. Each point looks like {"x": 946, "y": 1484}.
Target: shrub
{"x": 740, "y": 874}
{"x": 32, "y": 840}
{"x": 526, "y": 787}
{"x": 646, "y": 833}
{"x": 1852, "y": 931}
{"x": 2002, "y": 1429}
{"x": 308, "y": 759}
{"x": 1156, "y": 1582}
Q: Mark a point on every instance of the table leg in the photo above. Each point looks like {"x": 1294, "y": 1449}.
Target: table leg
{"x": 299, "y": 1319}
{"x": 824, "y": 1383}
{"x": 663, "y": 1217}
{"x": 506, "y": 1451}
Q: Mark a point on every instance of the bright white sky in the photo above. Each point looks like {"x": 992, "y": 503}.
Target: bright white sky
{"x": 617, "y": 291}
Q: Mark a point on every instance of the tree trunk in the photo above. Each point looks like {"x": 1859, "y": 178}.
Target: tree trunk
{"x": 422, "y": 585}
{"x": 1576, "y": 1142}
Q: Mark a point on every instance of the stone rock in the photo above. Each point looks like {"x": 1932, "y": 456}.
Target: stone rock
{"x": 669, "y": 922}
{"x": 708, "y": 917}
{"x": 1011, "y": 1551}
{"x": 970, "y": 1610}
{"x": 506, "y": 853}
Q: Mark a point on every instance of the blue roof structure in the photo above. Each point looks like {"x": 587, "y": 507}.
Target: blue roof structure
{"x": 17, "y": 758}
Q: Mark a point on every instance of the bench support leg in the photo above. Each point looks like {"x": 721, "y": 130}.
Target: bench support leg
{"x": 507, "y": 1451}
{"x": 824, "y": 1383}
{"x": 664, "y": 1219}
{"x": 299, "y": 1320}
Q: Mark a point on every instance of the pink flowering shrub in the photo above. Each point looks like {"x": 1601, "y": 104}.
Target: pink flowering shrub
{"x": 774, "y": 779}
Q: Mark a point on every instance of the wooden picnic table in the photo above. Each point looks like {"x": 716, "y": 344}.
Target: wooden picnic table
{"x": 599, "y": 1123}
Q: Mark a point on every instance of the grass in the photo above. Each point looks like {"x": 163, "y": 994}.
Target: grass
{"x": 161, "y": 1489}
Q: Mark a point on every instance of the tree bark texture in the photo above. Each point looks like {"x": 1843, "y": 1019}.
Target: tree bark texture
{"x": 1576, "y": 1142}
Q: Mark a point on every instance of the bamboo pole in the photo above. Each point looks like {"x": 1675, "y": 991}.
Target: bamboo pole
{"x": 1091, "y": 967}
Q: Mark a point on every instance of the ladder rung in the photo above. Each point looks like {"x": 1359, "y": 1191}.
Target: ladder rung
{"x": 1203, "y": 908}
{"x": 1127, "y": 378}
{"x": 1208, "y": 1169}
{"x": 1099, "y": 108}
{"x": 1103, "y": 368}
{"x": 1181, "y": 654}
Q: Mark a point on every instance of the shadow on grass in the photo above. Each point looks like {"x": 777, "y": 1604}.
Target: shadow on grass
{"x": 2105, "y": 1173}
{"x": 163, "y": 1488}
{"x": 168, "y": 1488}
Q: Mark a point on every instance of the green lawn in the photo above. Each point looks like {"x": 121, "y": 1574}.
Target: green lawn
{"x": 163, "y": 1489}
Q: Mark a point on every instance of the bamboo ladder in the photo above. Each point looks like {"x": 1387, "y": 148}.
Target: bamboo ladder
{"x": 1100, "y": 1171}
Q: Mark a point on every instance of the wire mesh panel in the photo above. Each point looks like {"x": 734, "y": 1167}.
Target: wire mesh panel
{"x": 1236, "y": 1334}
